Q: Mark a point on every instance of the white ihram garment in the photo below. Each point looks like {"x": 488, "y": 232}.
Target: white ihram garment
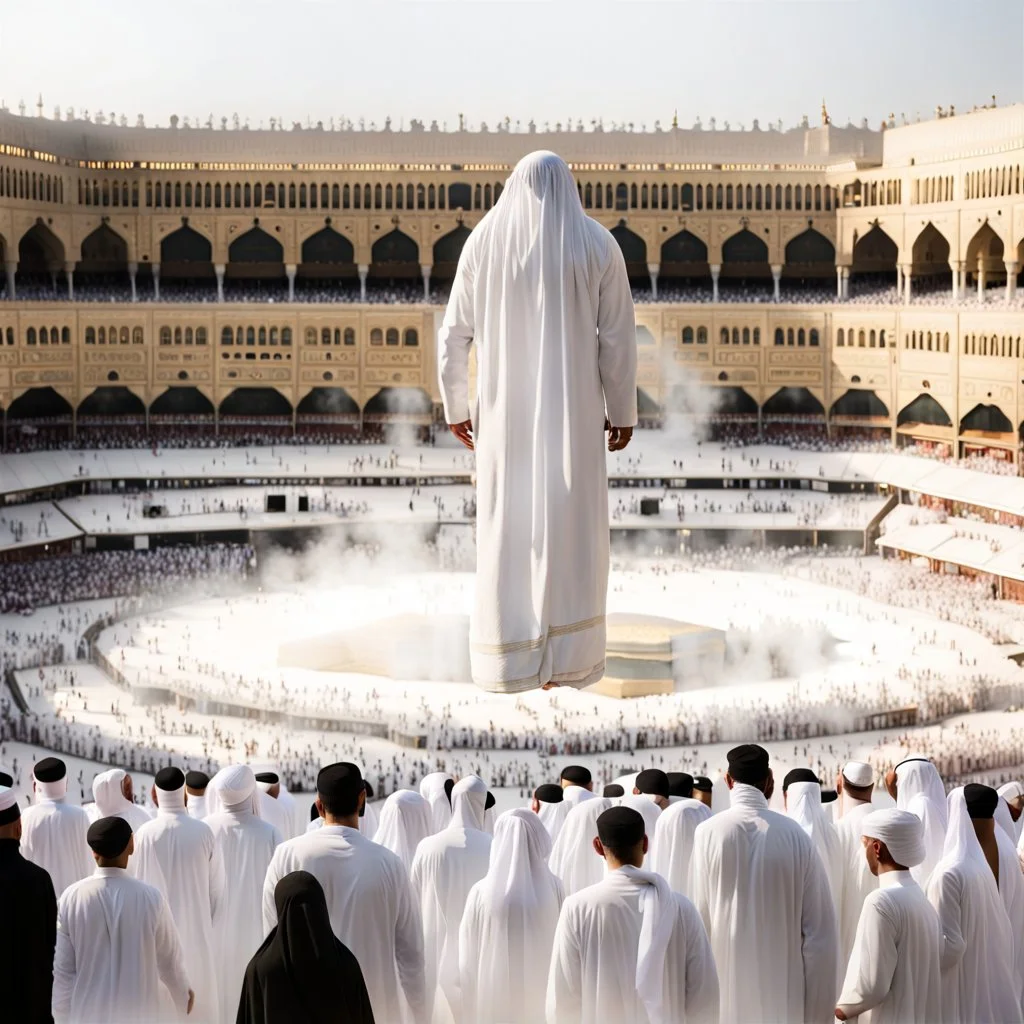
{"x": 979, "y": 982}
{"x": 508, "y": 926}
{"x": 919, "y": 790}
{"x": 673, "y": 841}
{"x": 53, "y": 836}
{"x": 630, "y": 951}
{"x": 552, "y": 816}
{"x": 648, "y": 810}
{"x": 803, "y": 805}
{"x": 1011, "y": 889}
{"x": 542, "y": 290}
{"x": 110, "y": 801}
{"x": 405, "y": 820}
{"x": 116, "y": 944}
{"x": 857, "y": 882}
{"x": 432, "y": 789}
{"x": 572, "y": 857}
{"x": 763, "y": 894}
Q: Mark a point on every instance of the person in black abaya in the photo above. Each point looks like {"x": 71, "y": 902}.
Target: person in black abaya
{"x": 303, "y": 974}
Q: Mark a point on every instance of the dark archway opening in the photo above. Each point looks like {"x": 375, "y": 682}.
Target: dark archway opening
{"x": 404, "y": 408}
{"x": 111, "y": 417}
{"x": 395, "y": 267}
{"x": 931, "y": 271}
{"x": 923, "y": 410}
{"x": 746, "y": 274}
{"x": 102, "y": 272}
{"x": 792, "y": 412}
{"x": 255, "y": 269}
{"x": 327, "y": 412}
{"x": 809, "y": 270}
{"x": 858, "y": 413}
{"x": 186, "y": 266}
{"x": 874, "y": 264}
{"x": 986, "y": 419}
{"x": 256, "y": 412}
{"x": 447, "y": 251}
{"x": 634, "y": 252}
{"x": 38, "y": 418}
{"x": 684, "y": 268}
{"x": 180, "y": 412}
{"x": 41, "y": 262}
{"x": 328, "y": 267}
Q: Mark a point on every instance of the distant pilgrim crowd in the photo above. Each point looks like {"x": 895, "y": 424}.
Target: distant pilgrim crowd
{"x": 636, "y": 905}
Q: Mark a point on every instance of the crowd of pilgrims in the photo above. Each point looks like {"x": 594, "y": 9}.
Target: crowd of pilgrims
{"x": 655, "y": 896}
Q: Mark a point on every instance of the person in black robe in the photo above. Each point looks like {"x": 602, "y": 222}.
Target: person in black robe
{"x": 303, "y": 974}
{"x": 28, "y": 925}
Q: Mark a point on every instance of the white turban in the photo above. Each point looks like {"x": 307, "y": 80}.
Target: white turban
{"x": 233, "y": 789}
{"x": 901, "y": 831}
{"x": 8, "y": 798}
{"x": 858, "y": 773}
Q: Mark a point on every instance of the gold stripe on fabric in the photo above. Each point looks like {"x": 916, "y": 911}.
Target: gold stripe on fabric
{"x": 517, "y": 646}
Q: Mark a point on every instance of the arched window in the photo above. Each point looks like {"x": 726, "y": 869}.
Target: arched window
{"x": 881, "y": 339}
{"x": 790, "y": 337}
{"x": 735, "y": 335}
{"x": 778, "y": 197}
{"x": 813, "y": 337}
{"x": 392, "y": 336}
{"x": 389, "y": 201}
{"x": 687, "y": 335}
{"x": 378, "y": 197}
{"x": 310, "y": 335}
{"x": 124, "y": 335}
{"x": 250, "y": 337}
{"x": 349, "y": 336}
{"x": 335, "y": 194}
{"x": 30, "y": 336}
{"x": 325, "y": 335}
{"x": 188, "y": 336}
{"x": 200, "y": 335}
{"x": 728, "y": 197}
{"x": 216, "y": 196}
{"x": 780, "y": 337}
{"x": 700, "y": 197}
{"x": 431, "y": 197}
{"x": 789, "y": 197}
{"x": 101, "y": 336}
{"x": 165, "y": 335}
{"x": 44, "y": 336}
{"x": 337, "y": 335}
{"x": 702, "y": 335}
{"x": 273, "y": 335}
{"x": 286, "y": 335}
{"x": 177, "y": 336}
{"x": 871, "y": 339}
{"x": 226, "y": 336}
{"x": 840, "y": 338}
{"x": 188, "y": 193}
{"x": 588, "y": 195}
{"x": 376, "y": 336}
{"x": 724, "y": 336}
{"x": 346, "y": 197}
{"x": 411, "y": 338}
{"x": 945, "y": 341}
{"x": 801, "y": 337}
{"x": 718, "y": 198}
{"x": 746, "y": 335}
{"x": 860, "y": 339}
{"x": 65, "y": 335}
{"x": 238, "y": 194}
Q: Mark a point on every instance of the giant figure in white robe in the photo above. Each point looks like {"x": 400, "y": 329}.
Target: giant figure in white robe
{"x": 542, "y": 290}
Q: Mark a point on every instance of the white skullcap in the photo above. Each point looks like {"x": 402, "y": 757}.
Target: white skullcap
{"x": 858, "y": 773}
{"x": 235, "y": 784}
{"x": 901, "y": 831}
{"x": 8, "y": 798}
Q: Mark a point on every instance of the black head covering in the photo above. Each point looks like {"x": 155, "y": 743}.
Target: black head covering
{"x": 313, "y": 812}
{"x": 6, "y": 780}
{"x": 653, "y": 781}
{"x": 702, "y": 784}
{"x": 797, "y": 775}
{"x": 577, "y": 775}
{"x": 620, "y": 828}
{"x": 549, "y": 793}
{"x": 680, "y": 784}
{"x": 197, "y": 780}
{"x": 748, "y": 764}
{"x": 829, "y": 796}
{"x": 369, "y": 790}
{"x": 449, "y": 785}
{"x": 50, "y": 769}
{"x": 170, "y": 779}
{"x": 268, "y": 778}
{"x": 613, "y": 790}
{"x": 109, "y": 836}
{"x": 982, "y": 801}
{"x": 489, "y": 801}
{"x": 302, "y": 970}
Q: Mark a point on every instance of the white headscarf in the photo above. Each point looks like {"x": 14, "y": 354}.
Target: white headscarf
{"x": 573, "y": 795}
{"x": 404, "y": 820}
{"x": 552, "y": 816}
{"x": 1004, "y": 818}
{"x": 673, "y": 841}
{"x": 572, "y": 857}
{"x": 648, "y": 810}
{"x": 432, "y": 790}
{"x": 106, "y": 791}
{"x": 518, "y": 872}
{"x": 235, "y": 789}
{"x": 919, "y": 790}
{"x": 468, "y": 800}
{"x": 900, "y": 831}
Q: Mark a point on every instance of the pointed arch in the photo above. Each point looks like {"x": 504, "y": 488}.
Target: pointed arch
{"x": 744, "y": 247}
{"x": 255, "y": 402}
{"x": 395, "y": 247}
{"x": 683, "y": 247}
{"x": 987, "y": 419}
{"x": 875, "y": 253}
{"x": 793, "y": 402}
{"x": 111, "y": 401}
{"x": 924, "y": 409}
{"x": 402, "y": 402}
{"x": 634, "y": 248}
{"x": 39, "y": 403}
{"x": 448, "y": 249}
{"x": 40, "y": 250}
{"x": 256, "y": 246}
{"x": 811, "y": 247}
{"x": 104, "y": 250}
{"x": 328, "y": 246}
{"x": 930, "y": 251}
{"x": 181, "y": 401}
{"x": 185, "y": 245}
{"x": 859, "y": 403}
{"x": 328, "y": 401}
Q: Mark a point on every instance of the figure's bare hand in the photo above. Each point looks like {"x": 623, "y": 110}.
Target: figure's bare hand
{"x": 191, "y": 1002}
{"x": 619, "y": 437}
{"x": 464, "y": 432}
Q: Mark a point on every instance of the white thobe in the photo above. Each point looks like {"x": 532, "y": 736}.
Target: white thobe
{"x": 446, "y": 866}
{"x": 593, "y": 976}
{"x": 1011, "y": 889}
{"x": 178, "y": 855}
{"x": 372, "y": 912}
{"x": 116, "y": 943}
{"x": 53, "y": 836}
{"x": 673, "y": 845}
{"x": 761, "y": 889}
{"x": 277, "y": 814}
{"x": 552, "y": 816}
{"x": 246, "y": 844}
{"x": 543, "y": 292}
{"x": 893, "y": 975}
{"x": 645, "y": 806}
{"x": 196, "y": 807}
{"x": 572, "y": 857}
{"x": 856, "y": 881}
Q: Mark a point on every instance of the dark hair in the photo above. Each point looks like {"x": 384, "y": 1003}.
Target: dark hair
{"x": 339, "y": 787}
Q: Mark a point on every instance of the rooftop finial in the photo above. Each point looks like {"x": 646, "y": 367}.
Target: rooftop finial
{"x": 675, "y": 118}
{"x": 825, "y": 119}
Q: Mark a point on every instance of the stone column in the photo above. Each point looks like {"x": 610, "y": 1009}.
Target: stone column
{"x": 906, "y": 269}
{"x": 957, "y": 268}
{"x": 839, "y": 281}
{"x": 156, "y": 281}
{"x": 290, "y": 269}
{"x": 776, "y": 278}
{"x": 54, "y": 273}
{"x": 654, "y": 269}
{"x": 133, "y": 269}
{"x": 981, "y": 278}
{"x": 218, "y": 269}
{"x": 425, "y": 269}
{"x": 1011, "y": 279}
{"x": 716, "y": 269}
{"x": 364, "y": 269}
{"x": 69, "y": 271}
{"x": 10, "y": 268}
{"x": 846, "y": 282}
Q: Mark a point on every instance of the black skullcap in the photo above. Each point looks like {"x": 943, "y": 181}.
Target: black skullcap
{"x": 449, "y": 785}
{"x": 702, "y": 783}
{"x": 109, "y": 836}
{"x": 170, "y": 779}
{"x": 489, "y": 801}
{"x": 268, "y": 778}
{"x": 549, "y": 793}
{"x": 748, "y": 764}
{"x": 313, "y": 812}
{"x": 680, "y": 784}
{"x": 577, "y": 775}
{"x": 339, "y": 783}
{"x": 620, "y": 828}
{"x": 613, "y": 790}
{"x": 6, "y": 780}
{"x": 197, "y": 780}
{"x": 798, "y": 775}
{"x": 908, "y": 760}
{"x": 653, "y": 781}
{"x": 981, "y": 800}
{"x": 9, "y": 809}
{"x": 829, "y": 796}
{"x": 50, "y": 769}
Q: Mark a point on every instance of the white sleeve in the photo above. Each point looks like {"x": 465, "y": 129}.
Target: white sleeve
{"x": 702, "y": 996}
{"x": 217, "y": 878}
{"x": 945, "y": 894}
{"x": 565, "y": 978}
{"x": 409, "y": 948}
{"x": 469, "y": 956}
{"x": 170, "y": 959}
{"x": 872, "y": 962}
{"x": 820, "y": 945}
{"x": 453, "y": 343}
{"x": 616, "y": 338}
{"x": 274, "y": 875}
{"x": 64, "y": 967}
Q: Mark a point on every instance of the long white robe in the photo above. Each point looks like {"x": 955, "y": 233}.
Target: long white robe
{"x": 552, "y": 816}
{"x": 432, "y": 789}
{"x": 110, "y": 801}
{"x": 673, "y": 841}
{"x": 53, "y": 835}
{"x": 803, "y": 805}
{"x": 1011, "y": 889}
{"x": 508, "y": 926}
{"x": 246, "y": 845}
{"x": 649, "y": 811}
{"x": 893, "y": 975}
{"x": 572, "y": 857}
{"x": 978, "y": 979}
{"x": 447, "y": 865}
{"x": 372, "y": 912}
{"x": 405, "y": 820}
{"x": 593, "y": 977}
{"x": 177, "y": 854}
{"x": 272, "y": 810}
{"x": 116, "y": 943}
{"x": 763, "y": 895}
{"x": 542, "y": 290}
{"x": 857, "y": 881}
{"x": 919, "y": 790}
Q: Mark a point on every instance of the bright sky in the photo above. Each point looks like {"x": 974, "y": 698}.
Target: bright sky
{"x": 623, "y": 60}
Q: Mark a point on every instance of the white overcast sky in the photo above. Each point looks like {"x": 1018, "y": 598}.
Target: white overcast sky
{"x": 623, "y": 60}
